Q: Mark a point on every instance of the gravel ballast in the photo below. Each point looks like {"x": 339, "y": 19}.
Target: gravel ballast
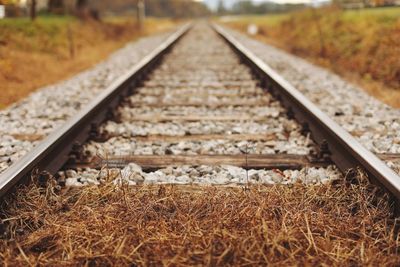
{"x": 133, "y": 174}
{"x": 127, "y": 146}
{"x": 178, "y": 81}
{"x": 188, "y": 97}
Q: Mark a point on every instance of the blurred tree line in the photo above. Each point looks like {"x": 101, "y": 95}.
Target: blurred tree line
{"x": 250, "y": 7}
{"x": 253, "y": 7}
{"x": 96, "y": 8}
{"x": 154, "y": 8}
{"x": 176, "y": 8}
{"x": 355, "y": 4}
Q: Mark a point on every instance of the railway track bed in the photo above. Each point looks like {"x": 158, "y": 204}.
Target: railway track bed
{"x": 199, "y": 159}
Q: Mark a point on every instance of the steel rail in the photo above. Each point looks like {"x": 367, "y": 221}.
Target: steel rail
{"x": 53, "y": 152}
{"x": 345, "y": 151}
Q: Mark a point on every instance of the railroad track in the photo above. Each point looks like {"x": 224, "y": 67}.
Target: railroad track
{"x": 193, "y": 111}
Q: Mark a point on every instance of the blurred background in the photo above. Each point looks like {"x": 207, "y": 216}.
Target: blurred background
{"x": 44, "y": 41}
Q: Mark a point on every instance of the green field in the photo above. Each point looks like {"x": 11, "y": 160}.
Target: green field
{"x": 383, "y": 14}
{"x": 270, "y": 19}
{"x": 380, "y": 15}
{"x": 43, "y": 24}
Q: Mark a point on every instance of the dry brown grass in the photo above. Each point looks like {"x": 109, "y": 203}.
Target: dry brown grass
{"x": 338, "y": 224}
{"x": 363, "y": 46}
{"x": 30, "y": 59}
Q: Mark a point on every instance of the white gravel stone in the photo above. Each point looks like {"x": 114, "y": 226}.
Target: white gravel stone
{"x": 200, "y": 99}
{"x": 119, "y": 146}
{"x": 144, "y": 128}
{"x": 206, "y": 175}
{"x": 273, "y": 110}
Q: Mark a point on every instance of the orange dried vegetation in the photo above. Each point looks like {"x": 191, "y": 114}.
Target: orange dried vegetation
{"x": 337, "y": 224}
{"x": 36, "y": 54}
{"x": 363, "y": 45}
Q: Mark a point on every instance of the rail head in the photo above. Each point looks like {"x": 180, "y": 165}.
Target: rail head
{"x": 346, "y": 151}
{"x": 53, "y": 152}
